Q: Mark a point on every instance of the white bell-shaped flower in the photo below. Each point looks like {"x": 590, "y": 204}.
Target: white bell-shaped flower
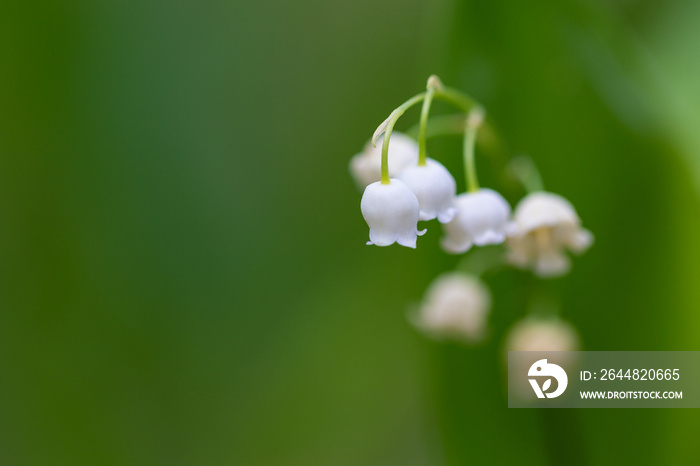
{"x": 456, "y": 306}
{"x": 434, "y": 187}
{"x": 365, "y": 167}
{"x": 482, "y": 218}
{"x": 546, "y": 225}
{"x": 539, "y": 334}
{"x": 542, "y": 334}
{"x": 391, "y": 211}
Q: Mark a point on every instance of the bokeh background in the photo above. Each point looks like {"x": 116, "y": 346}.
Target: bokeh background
{"x": 183, "y": 274}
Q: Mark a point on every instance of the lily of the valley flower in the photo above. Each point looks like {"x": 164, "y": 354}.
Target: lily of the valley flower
{"x": 542, "y": 334}
{"x": 365, "y": 167}
{"x": 391, "y": 211}
{"x": 482, "y": 218}
{"x": 456, "y": 306}
{"x": 547, "y": 224}
{"x": 434, "y": 187}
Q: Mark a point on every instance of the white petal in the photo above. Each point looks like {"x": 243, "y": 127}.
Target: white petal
{"x": 482, "y": 218}
{"x": 456, "y": 305}
{"x": 434, "y": 187}
{"x": 489, "y": 237}
{"x": 381, "y": 237}
{"x": 447, "y": 215}
{"x": 546, "y": 225}
{"x": 391, "y": 211}
{"x": 580, "y": 241}
{"x": 540, "y": 209}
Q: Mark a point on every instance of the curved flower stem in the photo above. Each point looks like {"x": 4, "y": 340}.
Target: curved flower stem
{"x": 456, "y": 98}
{"x": 435, "y": 89}
{"x": 441, "y": 125}
{"x": 476, "y": 116}
{"x": 424, "y": 123}
{"x": 387, "y": 127}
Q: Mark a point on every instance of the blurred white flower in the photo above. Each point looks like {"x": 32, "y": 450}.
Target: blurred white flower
{"x": 365, "y": 167}
{"x": 456, "y": 306}
{"x": 542, "y": 334}
{"x": 539, "y": 334}
{"x": 482, "y": 218}
{"x": 547, "y": 224}
{"x": 391, "y": 211}
{"x": 434, "y": 187}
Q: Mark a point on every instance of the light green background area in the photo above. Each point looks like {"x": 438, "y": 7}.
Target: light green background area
{"x": 183, "y": 274}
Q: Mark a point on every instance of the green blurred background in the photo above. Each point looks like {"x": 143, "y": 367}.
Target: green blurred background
{"x": 183, "y": 274}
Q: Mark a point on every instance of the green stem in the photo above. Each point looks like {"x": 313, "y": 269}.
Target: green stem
{"x": 472, "y": 125}
{"x": 387, "y": 130}
{"x": 424, "y": 124}
{"x": 435, "y": 89}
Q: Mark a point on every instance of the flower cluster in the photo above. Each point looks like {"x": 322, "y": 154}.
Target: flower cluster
{"x": 403, "y": 186}
{"x": 542, "y": 227}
